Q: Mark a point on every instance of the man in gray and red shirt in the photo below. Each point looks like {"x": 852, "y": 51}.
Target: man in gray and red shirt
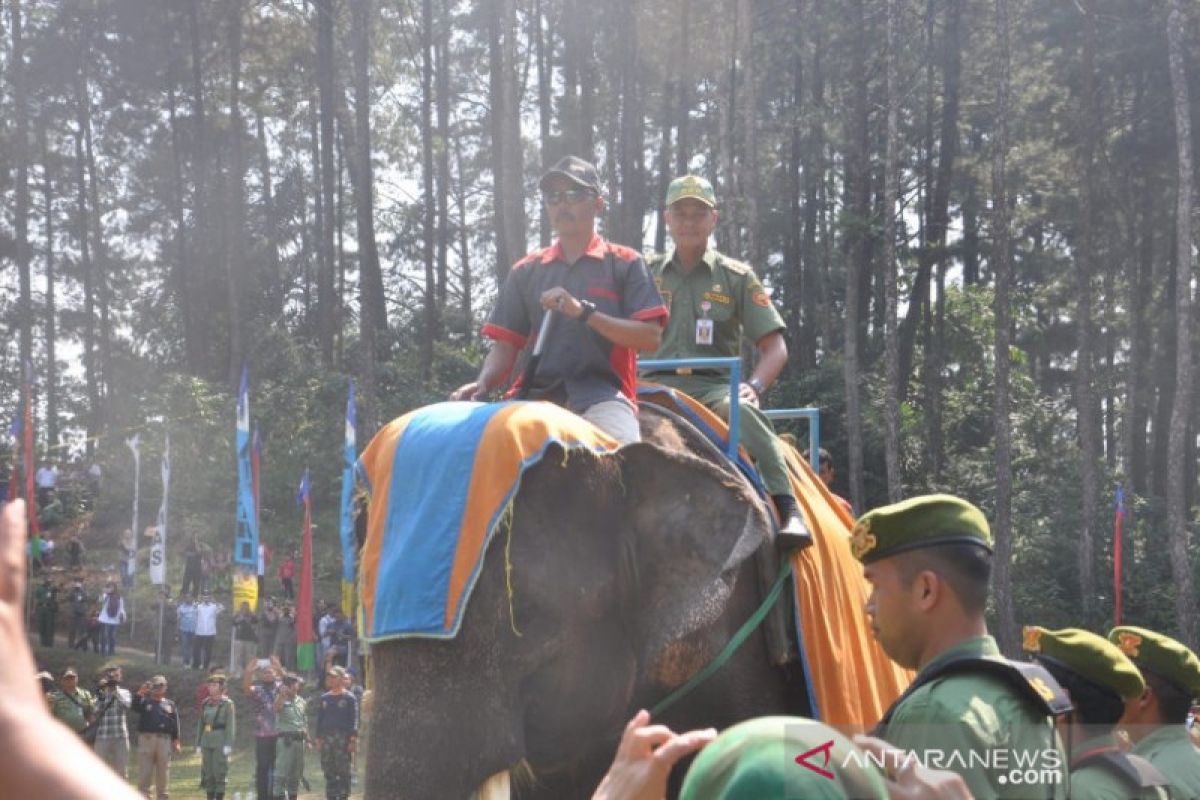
{"x": 604, "y": 291}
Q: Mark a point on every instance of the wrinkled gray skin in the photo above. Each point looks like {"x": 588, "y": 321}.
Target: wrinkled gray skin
{"x": 629, "y": 573}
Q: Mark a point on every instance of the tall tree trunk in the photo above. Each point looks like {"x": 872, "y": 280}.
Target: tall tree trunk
{"x": 442, "y": 152}
{"x": 1141, "y": 260}
{"x": 543, "y": 54}
{"x": 683, "y": 142}
{"x": 1177, "y": 512}
{"x": 464, "y": 245}
{"x": 1002, "y": 269}
{"x": 817, "y": 300}
{"x": 51, "y": 307}
{"x": 507, "y": 162}
{"x": 235, "y": 263}
{"x": 100, "y": 250}
{"x": 193, "y": 354}
{"x": 632, "y": 206}
{"x": 275, "y": 279}
{"x": 317, "y": 240}
{"x": 20, "y": 156}
{"x": 326, "y": 299}
{"x": 803, "y": 353}
{"x": 90, "y": 370}
{"x": 747, "y": 123}
{"x": 428, "y": 205}
{"x": 891, "y": 410}
{"x": 970, "y": 211}
{"x": 203, "y": 251}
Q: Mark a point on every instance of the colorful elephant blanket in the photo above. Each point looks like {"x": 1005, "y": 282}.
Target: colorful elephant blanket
{"x": 440, "y": 479}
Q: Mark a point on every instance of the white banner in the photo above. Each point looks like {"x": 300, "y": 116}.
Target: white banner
{"x": 158, "y": 549}
{"x": 130, "y": 559}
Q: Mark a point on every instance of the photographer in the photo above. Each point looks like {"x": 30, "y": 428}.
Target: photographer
{"x": 158, "y": 735}
{"x": 260, "y": 683}
{"x": 112, "y": 733}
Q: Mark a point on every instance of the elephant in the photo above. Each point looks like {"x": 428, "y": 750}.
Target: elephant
{"x": 629, "y": 573}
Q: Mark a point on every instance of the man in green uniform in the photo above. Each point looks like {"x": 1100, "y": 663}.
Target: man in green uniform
{"x": 1156, "y": 721}
{"x": 1099, "y": 679}
{"x": 928, "y": 560}
{"x": 47, "y": 609}
{"x": 712, "y": 299}
{"x": 292, "y": 728}
{"x": 73, "y": 706}
{"x": 214, "y": 737}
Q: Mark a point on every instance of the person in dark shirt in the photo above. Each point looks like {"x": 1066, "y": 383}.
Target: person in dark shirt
{"x": 337, "y": 733}
{"x": 260, "y": 684}
{"x": 158, "y": 735}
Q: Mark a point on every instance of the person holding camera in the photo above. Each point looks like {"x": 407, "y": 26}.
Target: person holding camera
{"x": 158, "y": 736}
{"x": 214, "y": 738}
{"x": 292, "y": 728}
{"x": 112, "y": 733}
{"x": 260, "y": 683}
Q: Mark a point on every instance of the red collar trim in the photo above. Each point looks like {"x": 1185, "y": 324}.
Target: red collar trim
{"x": 1095, "y": 751}
{"x": 554, "y": 252}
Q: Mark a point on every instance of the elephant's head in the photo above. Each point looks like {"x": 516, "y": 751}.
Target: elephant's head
{"x": 618, "y": 577}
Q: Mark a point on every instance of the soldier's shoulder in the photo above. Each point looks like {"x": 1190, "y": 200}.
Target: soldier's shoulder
{"x": 530, "y": 258}
{"x": 623, "y": 252}
{"x": 656, "y": 261}
{"x": 739, "y": 268}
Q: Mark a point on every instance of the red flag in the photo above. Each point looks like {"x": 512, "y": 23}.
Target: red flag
{"x": 1118, "y": 522}
{"x": 31, "y": 507}
{"x": 305, "y": 655}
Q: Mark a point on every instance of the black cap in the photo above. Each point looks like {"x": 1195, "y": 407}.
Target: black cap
{"x": 576, "y": 170}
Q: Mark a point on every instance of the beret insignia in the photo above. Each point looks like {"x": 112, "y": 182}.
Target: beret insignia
{"x": 862, "y": 541}
{"x": 1129, "y": 643}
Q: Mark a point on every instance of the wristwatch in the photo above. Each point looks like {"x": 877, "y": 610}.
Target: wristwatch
{"x": 757, "y": 386}
{"x": 589, "y": 308}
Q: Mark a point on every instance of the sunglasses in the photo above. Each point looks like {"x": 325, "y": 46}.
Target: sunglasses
{"x": 567, "y": 196}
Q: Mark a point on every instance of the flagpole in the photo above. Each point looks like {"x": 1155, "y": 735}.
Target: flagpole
{"x": 158, "y": 650}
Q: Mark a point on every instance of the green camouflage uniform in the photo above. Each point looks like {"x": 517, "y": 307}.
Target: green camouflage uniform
{"x": 73, "y": 713}
{"x": 729, "y": 293}
{"x": 291, "y": 726}
{"x": 215, "y": 731}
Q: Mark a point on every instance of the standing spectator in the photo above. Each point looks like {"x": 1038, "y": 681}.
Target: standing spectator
{"x": 268, "y": 625}
{"x": 327, "y": 616}
{"x": 337, "y": 733}
{"x": 78, "y": 603}
{"x": 192, "y": 560}
{"x": 339, "y": 634}
{"x": 95, "y": 477}
{"x": 828, "y": 475}
{"x": 112, "y": 614}
{"x": 112, "y": 734}
{"x": 245, "y": 636}
{"x": 287, "y": 573}
{"x": 75, "y": 550}
{"x": 47, "y": 611}
{"x": 93, "y": 631}
{"x": 292, "y": 729}
{"x": 185, "y": 614}
{"x": 206, "y": 631}
{"x": 215, "y": 733}
{"x": 261, "y": 686}
{"x": 46, "y": 479}
{"x": 52, "y": 513}
{"x": 158, "y": 736}
{"x": 264, "y": 560}
{"x": 285, "y": 638}
{"x": 72, "y": 706}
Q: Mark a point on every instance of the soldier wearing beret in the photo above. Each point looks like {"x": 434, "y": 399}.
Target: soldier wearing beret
{"x": 713, "y": 299}
{"x": 214, "y": 737}
{"x": 929, "y": 560}
{"x": 337, "y": 733}
{"x": 1156, "y": 721}
{"x": 292, "y": 729}
{"x": 75, "y": 707}
{"x": 1100, "y": 680}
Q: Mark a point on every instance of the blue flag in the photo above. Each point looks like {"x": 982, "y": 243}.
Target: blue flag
{"x": 349, "y": 545}
{"x": 245, "y": 546}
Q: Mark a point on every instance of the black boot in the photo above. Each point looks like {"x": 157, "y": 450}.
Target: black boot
{"x": 793, "y": 534}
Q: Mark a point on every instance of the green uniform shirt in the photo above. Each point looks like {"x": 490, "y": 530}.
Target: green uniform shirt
{"x": 290, "y": 718}
{"x": 718, "y": 288}
{"x": 1170, "y": 749}
{"x": 980, "y": 727}
{"x": 218, "y": 724}
{"x": 73, "y": 713}
{"x": 1094, "y": 781}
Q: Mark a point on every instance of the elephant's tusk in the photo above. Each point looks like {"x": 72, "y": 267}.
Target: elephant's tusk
{"x": 497, "y": 787}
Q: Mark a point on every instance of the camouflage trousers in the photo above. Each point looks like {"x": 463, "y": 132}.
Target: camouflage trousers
{"x": 289, "y": 765}
{"x": 336, "y": 764}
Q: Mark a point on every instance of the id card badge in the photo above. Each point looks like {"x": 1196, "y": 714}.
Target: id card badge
{"x": 704, "y": 331}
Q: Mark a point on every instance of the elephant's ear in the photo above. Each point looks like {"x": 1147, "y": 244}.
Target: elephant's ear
{"x": 692, "y": 528}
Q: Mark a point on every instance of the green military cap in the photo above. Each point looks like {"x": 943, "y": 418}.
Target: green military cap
{"x": 1161, "y": 655}
{"x": 692, "y": 186}
{"x": 1088, "y": 655}
{"x": 216, "y": 677}
{"x": 925, "y": 521}
{"x": 158, "y": 680}
{"x": 69, "y": 672}
{"x": 337, "y": 672}
{"x": 782, "y": 757}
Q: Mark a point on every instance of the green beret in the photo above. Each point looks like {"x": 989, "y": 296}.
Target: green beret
{"x": 1161, "y": 655}
{"x": 926, "y": 521}
{"x": 758, "y": 759}
{"x": 1088, "y": 655}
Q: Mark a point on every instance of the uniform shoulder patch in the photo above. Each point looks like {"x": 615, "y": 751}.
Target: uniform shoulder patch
{"x": 736, "y": 267}
{"x": 622, "y": 252}
{"x": 760, "y": 298}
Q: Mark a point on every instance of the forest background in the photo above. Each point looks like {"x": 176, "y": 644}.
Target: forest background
{"x": 975, "y": 216}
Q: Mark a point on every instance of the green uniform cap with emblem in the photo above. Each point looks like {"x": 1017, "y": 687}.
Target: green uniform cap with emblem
{"x": 926, "y": 521}
{"x": 782, "y": 757}
{"x": 692, "y": 186}
{"x": 1087, "y": 654}
{"x": 1161, "y": 655}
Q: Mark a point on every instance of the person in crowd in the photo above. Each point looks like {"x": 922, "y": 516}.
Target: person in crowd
{"x": 268, "y": 627}
{"x": 71, "y": 705}
{"x": 245, "y": 635}
{"x": 112, "y": 734}
{"x": 828, "y": 475}
{"x": 285, "y": 638}
{"x": 75, "y": 552}
{"x": 337, "y": 733}
{"x": 52, "y": 512}
{"x": 1156, "y": 720}
{"x": 158, "y": 736}
{"x": 928, "y": 563}
{"x": 260, "y": 684}
{"x": 610, "y": 309}
{"x": 287, "y": 574}
{"x": 325, "y": 615}
{"x": 77, "y": 603}
{"x": 46, "y": 682}
{"x": 112, "y": 614}
{"x": 46, "y": 479}
{"x": 338, "y": 635}
{"x": 93, "y": 631}
{"x": 46, "y": 602}
{"x": 1100, "y": 680}
{"x": 215, "y": 734}
{"x": 202, "y": 689}
{"x": 714, "y": 300}
{"x": 192, "y": 573}
{"x": 207, "y": 612}
{"x": 264, "y": 561}
{"x": 292, "y": 736}
{"x": 185, "y": 616}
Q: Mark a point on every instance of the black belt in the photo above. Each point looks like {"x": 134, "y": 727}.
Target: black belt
{"x": 289, "y": 736}
{"x": 708, "y": 373}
